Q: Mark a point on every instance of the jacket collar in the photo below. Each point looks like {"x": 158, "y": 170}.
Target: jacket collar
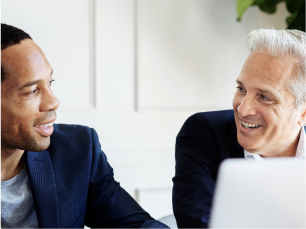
{"x": 43, "y": 188}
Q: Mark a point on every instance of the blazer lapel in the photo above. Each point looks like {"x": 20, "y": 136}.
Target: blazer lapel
{"x": 43, "y": 188}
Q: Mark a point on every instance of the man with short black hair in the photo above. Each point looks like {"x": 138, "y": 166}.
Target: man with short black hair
{"x": 53, "y": 176}
{"x": 267, "y": 121}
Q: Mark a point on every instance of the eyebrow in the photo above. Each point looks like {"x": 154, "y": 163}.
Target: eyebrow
{"x": 261, "y": 90}
{"x": 239, "y": 82}
{"x": 31, "y": 83}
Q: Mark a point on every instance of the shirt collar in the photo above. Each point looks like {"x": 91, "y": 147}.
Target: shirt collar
{"x": 300, "y": 151}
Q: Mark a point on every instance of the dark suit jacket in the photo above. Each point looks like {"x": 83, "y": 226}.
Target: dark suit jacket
{"x": 72, "y": 184}
{"x": 205, "y": 140}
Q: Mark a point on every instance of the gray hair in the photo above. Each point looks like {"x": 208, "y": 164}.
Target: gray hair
{"x": 284, "y": 43}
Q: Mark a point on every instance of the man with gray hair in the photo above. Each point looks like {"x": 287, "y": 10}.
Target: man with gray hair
{"x": 267, "y": 121}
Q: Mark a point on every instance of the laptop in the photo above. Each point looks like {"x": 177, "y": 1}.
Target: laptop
{"x": 252, "y": 194}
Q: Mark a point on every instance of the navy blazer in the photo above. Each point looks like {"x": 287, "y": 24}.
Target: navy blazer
{"x": 73, "y": 185}
{"x": 204, "y": 141}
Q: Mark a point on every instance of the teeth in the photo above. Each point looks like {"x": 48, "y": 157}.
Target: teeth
{"x": 249, "y": 125}
{"x": 45, "y": 125}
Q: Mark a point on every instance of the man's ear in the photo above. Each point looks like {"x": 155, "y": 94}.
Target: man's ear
{"x": 302, "y": 120}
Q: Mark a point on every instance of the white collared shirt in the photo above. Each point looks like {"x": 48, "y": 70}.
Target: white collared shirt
{"x": 300, "y": 151}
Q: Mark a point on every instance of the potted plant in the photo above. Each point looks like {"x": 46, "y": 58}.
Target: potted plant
{"x": 296, "y": 8}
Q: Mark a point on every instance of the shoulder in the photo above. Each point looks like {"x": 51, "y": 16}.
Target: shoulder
{"x": 76, "y": 147}
{"x": 73, "y": 138}
{"x": 216, "y": 117}
{"x": 207, "y": 132}
{"x": 212, "y": 121}
{"x": 202, "y": 143}
{"x": 67, "y": 132}
{"x": 208, "y": 136}
{"x": 66, "y": 129}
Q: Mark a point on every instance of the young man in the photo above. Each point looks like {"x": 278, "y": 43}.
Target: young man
{"x": 53, "y": 176}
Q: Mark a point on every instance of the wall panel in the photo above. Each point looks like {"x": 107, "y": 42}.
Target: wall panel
{"x": 190, "y": 52}
{"x": 115, "y": 55}
{"x": 64, "y": 31}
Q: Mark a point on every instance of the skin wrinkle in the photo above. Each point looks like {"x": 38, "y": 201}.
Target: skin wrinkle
{"x": 282, "y": 56}
{"x": 276, "y": 95}
{"x": 276, "y": 136}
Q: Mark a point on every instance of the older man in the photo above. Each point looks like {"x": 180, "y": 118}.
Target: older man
{"x": 267, "y": 121}
{"x": 53, "y": 176}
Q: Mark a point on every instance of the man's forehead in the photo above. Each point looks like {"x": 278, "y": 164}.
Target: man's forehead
{"x": 24, "y": 59}
{"x": 24, "y": 53}
{"x": 269, "y": 69}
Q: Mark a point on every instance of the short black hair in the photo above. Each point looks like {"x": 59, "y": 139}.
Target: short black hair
{"x": 11, "y": 35}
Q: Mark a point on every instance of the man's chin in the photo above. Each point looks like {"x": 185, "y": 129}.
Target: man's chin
{"x": 37, "y": 146}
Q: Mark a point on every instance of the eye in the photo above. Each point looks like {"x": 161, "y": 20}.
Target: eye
{"x": 50, "y": 82}
{"x": 240, "y": 89}
{"x": 33, "y": 92}
{"x": 265, "y": 99}
{"x": 262, "y": 97}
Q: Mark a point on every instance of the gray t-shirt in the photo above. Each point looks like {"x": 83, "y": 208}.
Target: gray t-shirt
{"x": 17, "y": 206}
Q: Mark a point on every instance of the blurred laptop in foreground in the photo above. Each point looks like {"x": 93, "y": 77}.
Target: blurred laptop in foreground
{"x": 260, "y": 195}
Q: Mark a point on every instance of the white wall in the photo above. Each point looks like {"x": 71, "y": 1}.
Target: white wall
{"x": 191, "y": 52}
{"x": 136, "y": 69}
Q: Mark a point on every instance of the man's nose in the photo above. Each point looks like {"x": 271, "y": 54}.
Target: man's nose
{"x": 48, "y": 101}
{"x": 247, "y": 107}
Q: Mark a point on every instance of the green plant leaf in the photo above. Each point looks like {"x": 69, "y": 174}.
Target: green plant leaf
{"x": 296, "y": 8}
{"x": 258, "y": 2}
{"x": 297, "y": 19}
{"x": 294, "y": 5}
{"x": 268, "y": 6}
{"x": 242, "y": 6}
{"x": 291, "y": 18}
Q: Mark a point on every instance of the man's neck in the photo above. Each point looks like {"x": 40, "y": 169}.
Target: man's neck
{"x": 12, "y": 162}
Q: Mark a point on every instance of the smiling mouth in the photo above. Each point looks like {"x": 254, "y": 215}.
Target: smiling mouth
{"x": 249, "y": 125}
{"x": 46, "y": 126}
{"x": 45, "y": 129}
